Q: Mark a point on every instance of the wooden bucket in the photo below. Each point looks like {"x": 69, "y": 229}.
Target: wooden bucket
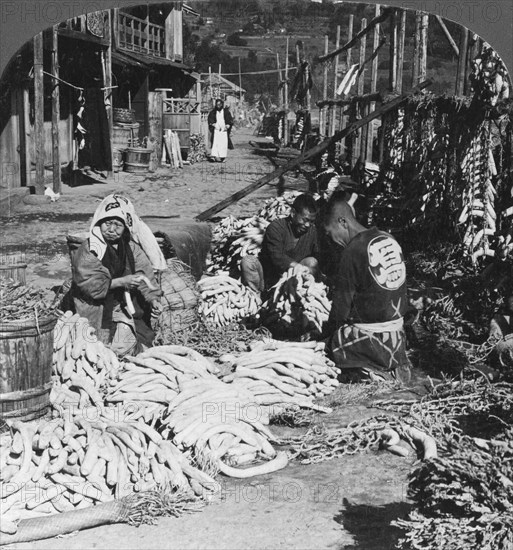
{"x": 125, "y": 136}
{"x": 117, "y": 159}
{"x": 137, "y": 160}
{"x": 26, "y": 354}
{"x": 15, "y": 271}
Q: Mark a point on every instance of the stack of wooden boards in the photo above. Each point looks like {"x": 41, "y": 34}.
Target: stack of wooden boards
{"x": 171, "y": 150}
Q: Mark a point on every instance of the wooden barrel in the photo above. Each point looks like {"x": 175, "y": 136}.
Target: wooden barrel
{"x": 26, "y": 351}
{"x": 125, "y": 136}
{"x": 14, "y": 271}
{"x": 137, "y": 160}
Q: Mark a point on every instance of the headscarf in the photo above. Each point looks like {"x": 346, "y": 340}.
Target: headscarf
{"x": 117, "y": 206}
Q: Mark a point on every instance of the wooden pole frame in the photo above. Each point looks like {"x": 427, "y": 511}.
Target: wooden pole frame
{"x": 392, "y": 70}
{"x": 310, "y": 153}
{"x": 286, "y": 95}
{"x": 323, "y": 112}
{"x": 374, "y": 80}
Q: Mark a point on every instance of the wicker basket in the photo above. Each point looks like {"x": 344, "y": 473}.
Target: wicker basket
{"x": 180, "y": 297}
{"x": 123, "y": 115}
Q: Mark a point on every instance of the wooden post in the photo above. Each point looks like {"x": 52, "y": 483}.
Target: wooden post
{"x": 360, "y": 148}
{"x": 392, "y": 70}
{"x": 240, "y": 83}
{"x": 424, "y": 20}
{"x": 286, "y": 94}
{"x": 56, "y": 159}
{"x": 39, "y": 140}
{"x": 374, "y": 79}
{"x": 173, "y": 32}
{"x": 416, "y": 48}
{"x": 349, "y": 58}
{"x": 155, "y": 101}
{"x": 400, "y": 49}
{"x": 462, "y": 60}
{"x": 471, "y": 55}
{"x": 115, "y": 28}
{"x": 280, "y": 95}
{"x": 333, "y": 112}
{"x": 323, "y": 111}
{"x": 107, "y": 75}
{"x": 363, "y": 44}
{"x": 210, "y": 85}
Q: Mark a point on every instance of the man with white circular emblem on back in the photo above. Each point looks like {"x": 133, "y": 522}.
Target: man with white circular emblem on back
{"x": 369, "y": 300}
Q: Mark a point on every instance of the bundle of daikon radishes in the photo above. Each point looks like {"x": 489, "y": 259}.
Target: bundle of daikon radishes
{"x": 176, "y": 388}
{"x": 279, "y": 373}
{"x": 87, "y": 457}
{"x": 82, "y": 365}
{"x": 278, "y": 207}
{"x": 225, "y": 300}
{"x": 233, "y": 239}
{"x": 297, "y": 300}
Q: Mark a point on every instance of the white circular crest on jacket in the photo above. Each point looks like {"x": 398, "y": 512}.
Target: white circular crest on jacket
{"x": 386, "y": 262}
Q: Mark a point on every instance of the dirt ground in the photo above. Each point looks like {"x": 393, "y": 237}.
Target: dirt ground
{"x": 346, "y": 503}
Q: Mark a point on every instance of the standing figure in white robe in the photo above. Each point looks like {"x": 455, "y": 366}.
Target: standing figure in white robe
{"x": 220, "y": 122}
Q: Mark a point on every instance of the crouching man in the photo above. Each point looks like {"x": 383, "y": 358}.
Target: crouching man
{"x": 369, "y": 300}
{"x": 287, "y": 242}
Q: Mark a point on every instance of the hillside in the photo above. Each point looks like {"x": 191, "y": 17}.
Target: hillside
{"x": 266, "y": 25}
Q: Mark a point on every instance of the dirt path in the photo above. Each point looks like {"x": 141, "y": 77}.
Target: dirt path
{"x": 346, "y": 503}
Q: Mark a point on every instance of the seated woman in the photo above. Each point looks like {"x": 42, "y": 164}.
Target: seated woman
{"x": 113, "y": 279}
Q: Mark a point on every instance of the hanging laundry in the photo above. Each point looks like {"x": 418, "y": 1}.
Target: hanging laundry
{"x": 92, "y": 131}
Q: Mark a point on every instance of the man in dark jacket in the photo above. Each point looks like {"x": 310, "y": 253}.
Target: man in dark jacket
{"x": 220, "y": 123}
{"x": 369, "y": 300}
{"x": 287, "y": 242}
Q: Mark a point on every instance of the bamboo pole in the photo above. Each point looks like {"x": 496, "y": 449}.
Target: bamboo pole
{"x": 363, "y": 46}
{"x": 39, "y": 144}
{"x": 56, "y": 159}
{"x": 107, "y": 76}
{"x": 323, "y": 112}
{"x": 374, "y": 79}
{"x": 392, "y": 70}
{"x": 333, "y": 111}
{"x": 400, "y": 49}
{"x": 462, "y": 59}
{"x": 310, "y": 153}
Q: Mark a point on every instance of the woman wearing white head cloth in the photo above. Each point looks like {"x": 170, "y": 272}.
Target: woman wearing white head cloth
{"x": 113, "y": 277}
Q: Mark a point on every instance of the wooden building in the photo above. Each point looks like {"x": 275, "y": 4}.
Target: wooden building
{"x": 125, "y": 53}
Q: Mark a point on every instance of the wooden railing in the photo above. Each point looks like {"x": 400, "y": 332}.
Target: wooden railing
{"x": 139, "y": 35}
{"x": 177, "y": 106}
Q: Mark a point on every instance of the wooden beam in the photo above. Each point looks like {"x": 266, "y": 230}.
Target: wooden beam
{"x": 115, "y": 28}
{"x": 448, "y": 35}
{"x": 392, "y": 69}
{"x": 349, "y": 58}
{"x": 39, "y": 140}
{"x": 374, "y": 76}
{"x": 56, "y": 159}
{"x": 382, "y": 17}
{"x": 323, "y": 113}
{"x": 462, "y": 60}
{"x": 107, "y": 75}
{"x": 400, "y": 49}
{"x": 333, "y": 111}
{"x": 366, "y": 98}
{"x": 313, "y": 152}
{"x": 280, "y": 91}
{"x": 83, "y": 37}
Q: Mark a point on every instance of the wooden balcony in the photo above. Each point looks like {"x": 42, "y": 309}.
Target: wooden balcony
{"x": 86, "y": 29}
{"x": 139, "y": 35}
